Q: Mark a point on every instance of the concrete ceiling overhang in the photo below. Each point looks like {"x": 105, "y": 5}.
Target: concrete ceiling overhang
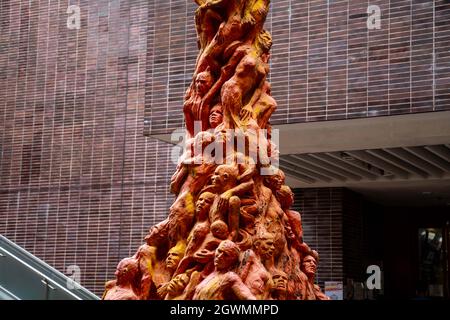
{"x": 395, "y": 160}
{"x": 402, "y": 154}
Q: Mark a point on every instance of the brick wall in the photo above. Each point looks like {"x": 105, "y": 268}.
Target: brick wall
{"x": 79, "y": 183}
{"x": 322, "y": 214}
{"x": 326, "y": 64}
{"x": 355, "y": 235}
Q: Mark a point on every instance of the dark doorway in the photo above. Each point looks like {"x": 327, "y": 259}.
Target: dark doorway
{"x": 415, "y": 252}
{"x": 433, "y": 262}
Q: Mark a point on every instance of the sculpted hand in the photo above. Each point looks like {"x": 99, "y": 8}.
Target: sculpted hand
{"x": 162, "y": 291}
{"x": 246, "y": 113}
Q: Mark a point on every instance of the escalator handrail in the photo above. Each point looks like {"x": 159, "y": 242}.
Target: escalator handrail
{"x": 50, "y": 274}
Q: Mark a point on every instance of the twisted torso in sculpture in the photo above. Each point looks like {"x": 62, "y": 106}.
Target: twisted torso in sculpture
{"x": 230, "y": 233}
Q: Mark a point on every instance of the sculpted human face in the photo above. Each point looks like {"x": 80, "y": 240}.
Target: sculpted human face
{"x": 277, "y": 180}
{"x": 216, "y": 116}
{"x": 125, "y": 270}
{"x": 224, "y": 258}
{"x": 280, "y": 281}
{"x": 172, "y": 260}
{"x": 286, "y": 197}
{"x": 266, "y": 246}
{"x": 204, "y": 203}
{"x": 203, "y": 83}
{"x": 309, "y": 265}
{"x": 220, "y": 177}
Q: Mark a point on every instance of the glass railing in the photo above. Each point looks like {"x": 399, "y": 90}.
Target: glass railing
{"x": 25, "y": 277}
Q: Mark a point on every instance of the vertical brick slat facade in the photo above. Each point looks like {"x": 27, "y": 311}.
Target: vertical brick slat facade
{"x": 322, "y": 214}
{"x": 79, "y": 183}
{"x": 325, "y": 62}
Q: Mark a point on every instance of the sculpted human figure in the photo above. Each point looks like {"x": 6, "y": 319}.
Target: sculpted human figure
{"x": 286, "y": 198}
{"x": 223, "y": 283}
{"x": 201, "y": 262}
{"x": 275, "y": 218}
{"x": 263, "y": 105}
{"x": 181, "y": 218}
{"x": 205, "y": 253}
{"x": 163, "y": 275}
{"x": 196, "y": 166}
{"x": 201, "y": 227}
{"x": 228, "y": 20}
{"x": 147, "y": 259}
{"x": 242, "y": 27}
{"x": 250, "y": 72}
{"x": 191, "y": 176}
{"x": 276, "y": 180}
{"x": 254, "y": 273}
{"x": 279, "y": 284}
{"x": 174, "y": 257}
{"x": 220, "y": 23}
{"x": 294, "y": 235}
{"x": 194, "y": 108}
{"x": 246, "y": 165}
{"x": 202, "y": 257}
{"x": 244, "y": 219}
{"x": 295, "y": 232}
{"x": 309, "y": 268}
{"x": 207, "y": 22}
{"x": 126, "y": 274}
{"x": 226, "y": 205}
{"x": 176, "y": 286}
{"x": 264, "y": 247}
{"x": 108, "y": 286}
{"x": 199, "y": 231}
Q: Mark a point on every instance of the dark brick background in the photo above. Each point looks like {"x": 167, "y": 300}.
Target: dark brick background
{"x": 79, "y": 183}
{"x": 322, "y": 215}
{"x": 326, "y": 64}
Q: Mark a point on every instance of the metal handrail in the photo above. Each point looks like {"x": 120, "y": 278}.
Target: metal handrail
{"x": 25, "y": 276}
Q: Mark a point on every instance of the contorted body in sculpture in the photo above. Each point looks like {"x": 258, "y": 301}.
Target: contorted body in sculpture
{"x": 230, "y": 232}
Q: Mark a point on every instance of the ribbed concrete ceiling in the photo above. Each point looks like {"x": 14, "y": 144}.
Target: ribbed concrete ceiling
{"x": 393, "y": 160}
{"x": 387, "y": 164}
{"x": 401, "y": 176}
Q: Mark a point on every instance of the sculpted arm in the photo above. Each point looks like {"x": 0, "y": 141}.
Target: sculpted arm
{"x": 178, "y": 178}
{"x": 249, "y": 172}
{"x": 241, "y": 291}
{"x": 239, "y": 190}
{"x": 247, "y": 110}
{"x": 249, "y": 260}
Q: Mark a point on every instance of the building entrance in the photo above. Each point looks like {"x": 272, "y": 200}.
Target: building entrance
{"x": 433, "y": 262}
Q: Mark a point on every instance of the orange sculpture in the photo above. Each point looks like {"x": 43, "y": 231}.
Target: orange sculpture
{"x": 230, "y": 233}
